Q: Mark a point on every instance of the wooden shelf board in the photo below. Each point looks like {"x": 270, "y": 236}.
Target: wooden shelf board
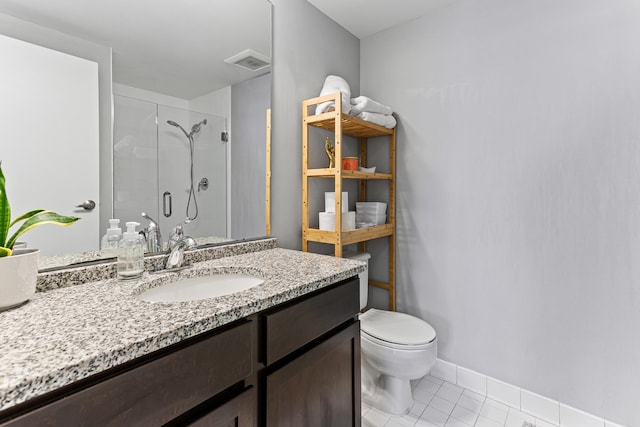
{"x": 347, "y": 174}
{"x": 351, "y": 126}
{"x": 382, "y": 285}
{"x": 349, "y": 237}
{"x": 320, "y": 118}
{"x": 322, "y": 173}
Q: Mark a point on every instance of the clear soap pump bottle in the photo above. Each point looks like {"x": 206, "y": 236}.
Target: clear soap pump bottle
{"x": 111, "y": 240}
{"x": 131, "y": 253}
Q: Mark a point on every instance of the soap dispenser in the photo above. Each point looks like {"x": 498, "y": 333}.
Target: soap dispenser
{"x": 130, "y": 263}
{"x": 111, "y": 240}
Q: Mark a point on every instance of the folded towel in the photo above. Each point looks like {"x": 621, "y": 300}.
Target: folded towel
{"x": 385, "y": 120}
{"x": 333, "y": 84}
{"x": 364, "y": 103}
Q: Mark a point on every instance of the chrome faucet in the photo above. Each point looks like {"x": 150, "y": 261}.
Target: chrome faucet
{"x": 152, "y": 235}
{"x": 175, "y": 237}
{"x": 176, "y": 256}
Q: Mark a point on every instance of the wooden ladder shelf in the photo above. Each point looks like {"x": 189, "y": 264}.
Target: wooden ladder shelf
{"x": 345, "y": 125}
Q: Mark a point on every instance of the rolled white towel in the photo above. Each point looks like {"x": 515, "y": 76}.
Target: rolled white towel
{"x": 333, "y": 84}
{"x": 385, "y": 120}
{"x": 364, "y": 103}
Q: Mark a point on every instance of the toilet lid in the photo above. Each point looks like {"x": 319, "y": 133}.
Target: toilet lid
{"x": 394, "y": 327}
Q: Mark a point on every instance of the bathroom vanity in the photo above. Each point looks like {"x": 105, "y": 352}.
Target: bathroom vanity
{"x": 286, "y": 353}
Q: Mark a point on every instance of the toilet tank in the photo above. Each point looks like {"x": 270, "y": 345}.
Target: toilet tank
{"x": 364, "y": 276}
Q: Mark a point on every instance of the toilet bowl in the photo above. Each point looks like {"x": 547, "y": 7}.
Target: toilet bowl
{"x": 396, "y": 348}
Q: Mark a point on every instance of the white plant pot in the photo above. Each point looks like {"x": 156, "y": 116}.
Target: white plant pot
{"x": 18, "y": 275}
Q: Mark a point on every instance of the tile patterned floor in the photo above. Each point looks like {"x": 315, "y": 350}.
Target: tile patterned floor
{"x": 438, "y": 403}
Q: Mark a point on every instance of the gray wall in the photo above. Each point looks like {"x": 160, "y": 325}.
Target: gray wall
{"x": 519, "y": 190}
{"x": 307, "y": 46}
{"x": 61, "y": 42}
{"x": 249, "y": 103}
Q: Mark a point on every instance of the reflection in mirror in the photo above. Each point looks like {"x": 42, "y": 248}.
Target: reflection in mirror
{"x": 155, "y": 66}
{"x": 176, "y": 175}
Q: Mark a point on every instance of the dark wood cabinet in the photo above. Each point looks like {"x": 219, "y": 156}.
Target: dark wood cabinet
{"x": 237, "y": 412}
{"x": 297, "y": 364}
{"x": 311, "y": 352}
{"x": 288, "y": 328}
{"x": 319, "y": 388}
{"x": 153, "y": 390}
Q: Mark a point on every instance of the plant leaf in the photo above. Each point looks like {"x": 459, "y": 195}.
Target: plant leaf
{"x": 43, "y": 217}
{"x": 5, "y": 210}
{"x": 4, "y": 252}
{"x": 25, "y": 216}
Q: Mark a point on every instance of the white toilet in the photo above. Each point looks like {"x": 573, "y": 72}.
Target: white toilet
{"x": 396, "y": 348}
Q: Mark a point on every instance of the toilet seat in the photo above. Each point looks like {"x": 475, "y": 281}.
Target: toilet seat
{"x": 396, "y": 330}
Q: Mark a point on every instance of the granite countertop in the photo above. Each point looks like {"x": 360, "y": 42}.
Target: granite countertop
{"x": 66, "y": 334}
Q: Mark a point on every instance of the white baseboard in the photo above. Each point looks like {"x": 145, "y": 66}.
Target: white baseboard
{"x": 541, "y": 407}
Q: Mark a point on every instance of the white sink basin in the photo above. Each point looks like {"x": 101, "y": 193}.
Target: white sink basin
{"x": 199, "y": 288}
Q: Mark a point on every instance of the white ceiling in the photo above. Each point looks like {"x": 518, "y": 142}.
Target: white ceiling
{"x": 366, "y": 17}
{"x": 169, "y": 46}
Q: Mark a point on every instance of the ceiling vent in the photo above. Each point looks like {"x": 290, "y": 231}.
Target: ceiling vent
{"x": 249, "y": 60}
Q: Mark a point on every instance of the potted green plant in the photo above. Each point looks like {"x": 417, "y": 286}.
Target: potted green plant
{"x": 19, "y": 268}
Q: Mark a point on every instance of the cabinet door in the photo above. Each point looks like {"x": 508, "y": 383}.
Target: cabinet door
{"x": 238, "y": 412}
{"x": 320, "y": 387}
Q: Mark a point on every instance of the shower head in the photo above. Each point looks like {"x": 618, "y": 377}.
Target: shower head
{"x": 172, "y": 123}
{"x": 196, "y": 128}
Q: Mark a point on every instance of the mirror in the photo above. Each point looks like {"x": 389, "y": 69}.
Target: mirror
{"x": 170, "y": 60}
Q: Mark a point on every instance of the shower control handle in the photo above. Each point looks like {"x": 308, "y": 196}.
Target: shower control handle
{"x": 166, "y": 196}
{"x": 203, "y": 184}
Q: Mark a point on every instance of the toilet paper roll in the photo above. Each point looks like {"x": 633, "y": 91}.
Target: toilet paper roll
{"x": 330, "y": 201}
{"x": 328, "y": 221}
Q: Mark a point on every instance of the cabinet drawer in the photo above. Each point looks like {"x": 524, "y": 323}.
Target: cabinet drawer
{"x": 309, "y": 317}
{"x": 158, "y": 391}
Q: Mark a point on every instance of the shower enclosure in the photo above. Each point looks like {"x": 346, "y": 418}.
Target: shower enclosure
{"x": 171, "y": 164}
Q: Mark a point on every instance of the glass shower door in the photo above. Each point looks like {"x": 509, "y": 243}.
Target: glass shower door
{"x": 205, "y": 204}
{"x": 152, "y": 168}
